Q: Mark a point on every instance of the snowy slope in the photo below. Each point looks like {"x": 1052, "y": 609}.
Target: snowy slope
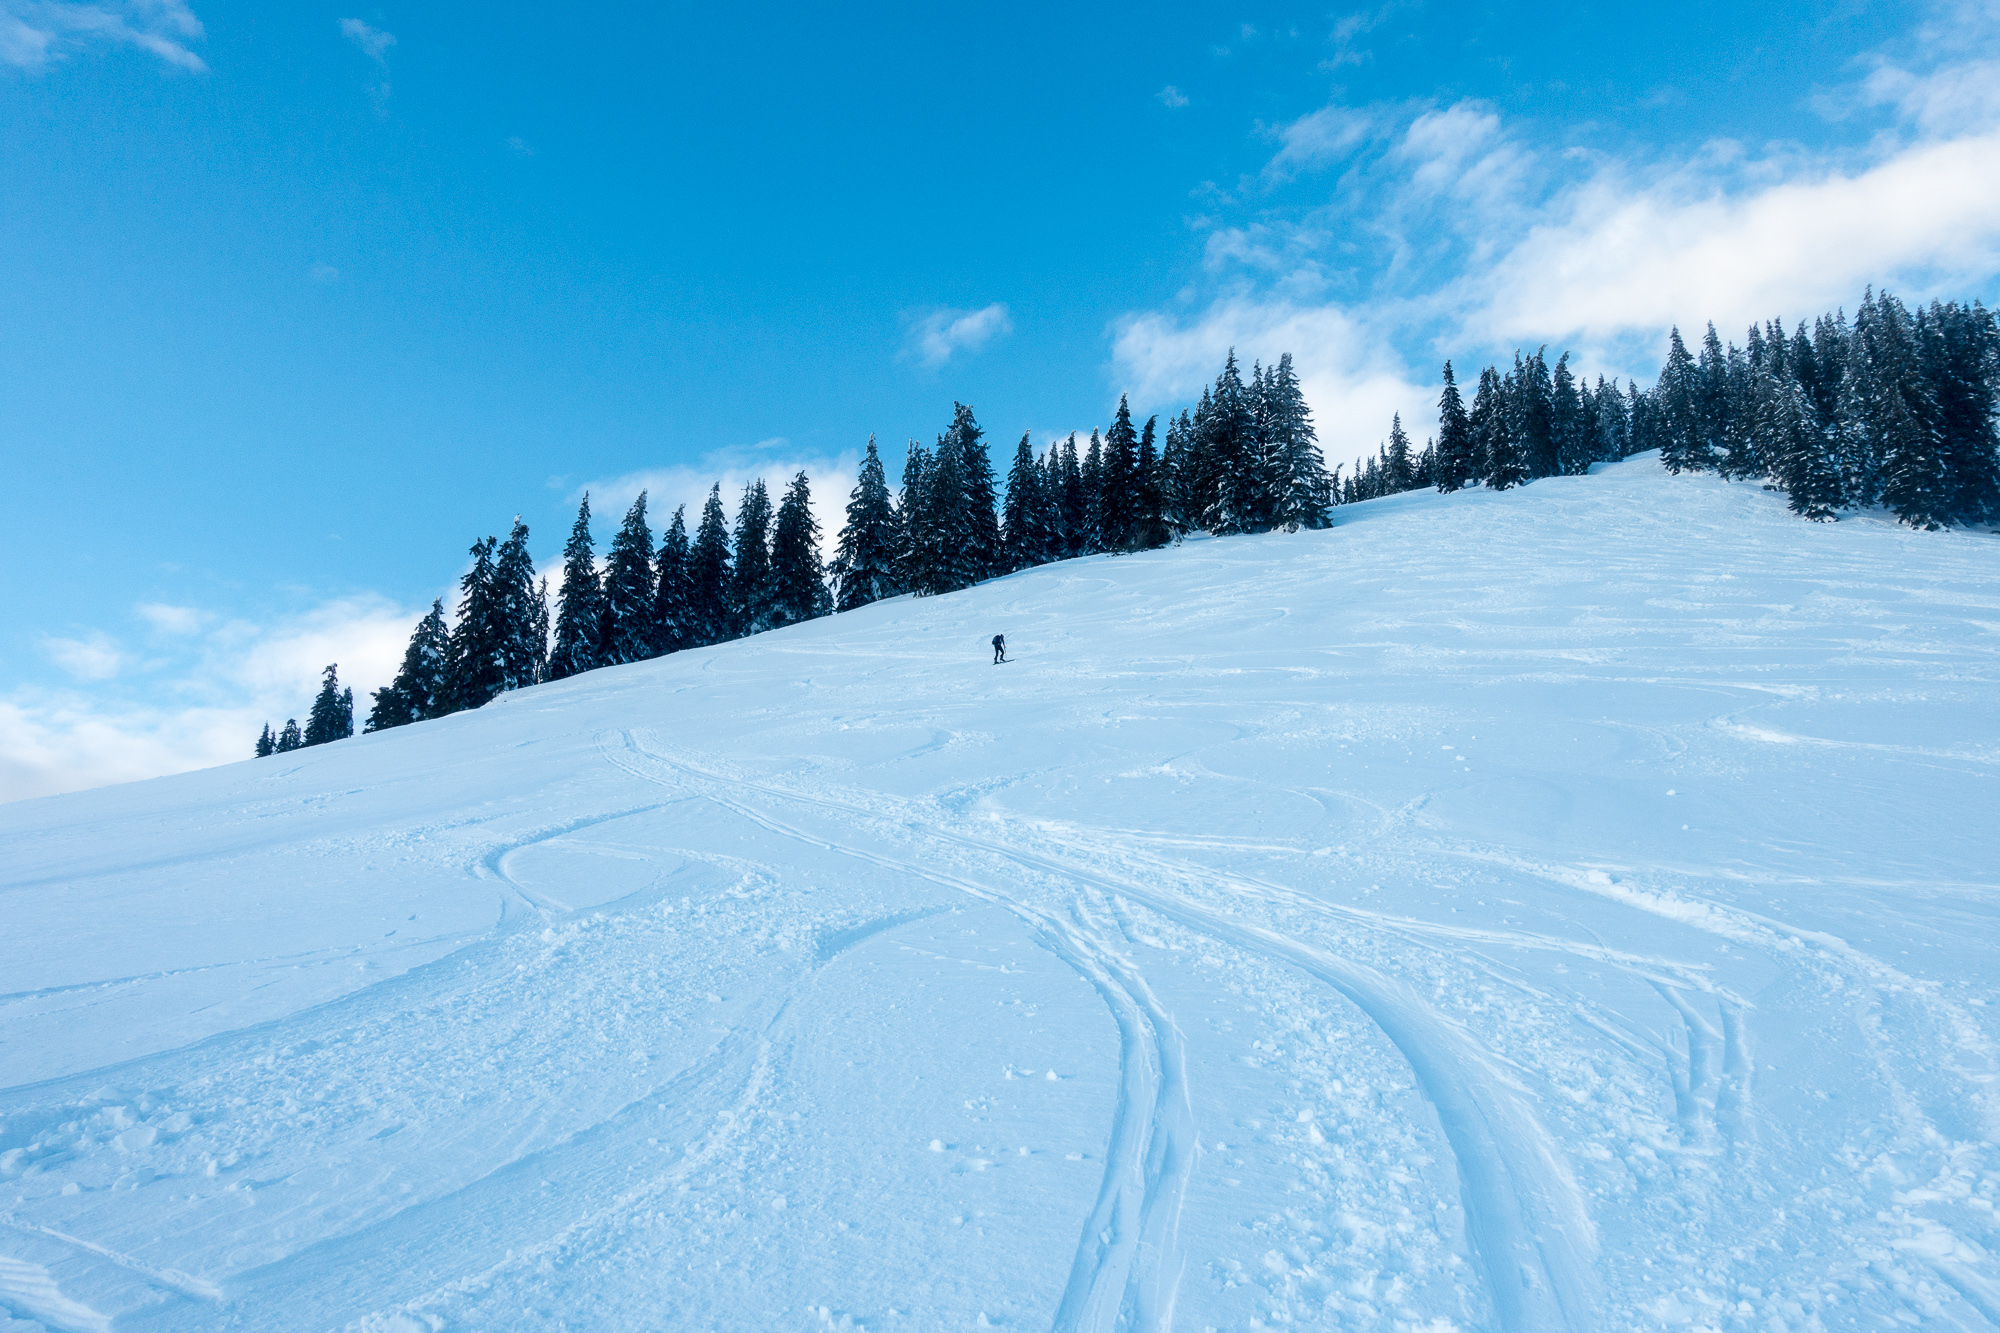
{"x": 1572, "y": 908}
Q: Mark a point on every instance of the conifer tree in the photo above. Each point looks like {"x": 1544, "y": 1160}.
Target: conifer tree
{"x": 1493, "y": 436}
{"x": 1455, "y": 467}
{"x": 945, "y": 554}
{"x": 476, "y": 659}
{"x": 290, "y": 738}
{"x": 580, "y": 607}
{"x": 981, "y": 504}
{"x": 1569, "y": 422}
{"x": 911, "y": 505}
{"x": 1800, "y": 461}
{"x": 798, "y": 579}
{"x": 1075, "y": 511}
{"x": 267, "y": 744}
{"x": 630, "y": 592}
{"x": 1964, "y": 355}
{"x": 865, "y": 566}
{"x": 1680, "y": 426}
{"x": 523, "y": 610}
{"x": 1092, "y": 474}
{"x": 1300, "y": 491}
{"x": 710, "y": 617}
{"x": 1396, "y": 463}
{"x": 1118, "y": 482}
{"x": 332, "y": 715}
{"x": 753, "y": 593}
{"x": 1530, "y": 424}
{"x": 1150, "y": 528}
{"x": 671, "y": 623}
{"x": 1243, "y": 481}
{"x": 1024, "y": 533}
{"x": 417, "y": 692}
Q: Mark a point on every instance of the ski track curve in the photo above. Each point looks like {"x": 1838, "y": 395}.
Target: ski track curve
{"x": 1531, "y": 1235}
{"x": 1128, "y": 1266}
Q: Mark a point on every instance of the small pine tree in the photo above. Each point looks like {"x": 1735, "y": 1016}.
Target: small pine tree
{"x": 865, "y": 562}
{"x": 983, "y": 556}
{"x": 290, "y": 738}
{"x": 1680, "y": 425}
{"x": 797, "y": 577}
{"x": 1398, "y": 471}
{"x": 580, "y": 608}
{"x": 267, "y": 744}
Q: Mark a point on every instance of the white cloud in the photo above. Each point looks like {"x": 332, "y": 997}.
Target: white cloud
{"x": 323, "y": 273}
{"x": 519, "y": 145}
{"x": 831, "y": 478}
{"x": 201, "y": 708}
{"x": 33, "y": 32}
{"x": 934, "y": 337}
{"x": 96, "y": 656}
{"x": 1172, "y": 96}
{"x": 1351, "y": 379}
{"x": 178, "y": 620}
{"x": 373, "y": 42}
{"x": 1447, "y": 234}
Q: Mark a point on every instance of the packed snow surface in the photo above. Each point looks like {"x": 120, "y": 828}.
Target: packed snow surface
{"x": 1564, "y": 909}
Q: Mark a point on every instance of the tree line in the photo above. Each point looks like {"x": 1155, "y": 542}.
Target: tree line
{"x": 330, "y": 719}
{"x": 1897, "y": 408}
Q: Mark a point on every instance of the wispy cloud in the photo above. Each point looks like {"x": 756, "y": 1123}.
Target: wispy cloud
{"x": 35, "y": 32}
{"x": 374, "y": 43}
{"x": 936, "y": 336}
{"x": 96, "y": 656}
{"x": 190, "y": 703}
{"x": 1172, "y": 96}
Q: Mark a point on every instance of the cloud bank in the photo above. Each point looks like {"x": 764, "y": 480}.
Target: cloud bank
{"x": 35, "y": 32}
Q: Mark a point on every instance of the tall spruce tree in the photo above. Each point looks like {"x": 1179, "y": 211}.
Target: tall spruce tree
{"x": 1398, "y": 470}
{"x": 865, "y": 565}
{"x": 290, "y": 738}
{"x": 524, "y": 613}
{"x": 267, "y": 744}
{"x": 1680, "y": 427}
{"x": 1024, "y": 535}
{"x": 1092, "y": 475}
{"x": 981, "y": 504}
{"x": 1455, "y": 466}
{"x": 1075, "y": 511}
{"x": 475, "y": 663}
{"x": 1300, "y": 490}
{"x": 1150, "y": 527}
{"x": 630, "y": 592}
{"x": 798, "y": 579}
{"x": 332, "y": 715}
{"x": 1243, "y": 499}
{"x": 1493, "y": 433}
{"x": 417, "y": 692}
{"x": 1570, "y": 422}
{"x": 709, "y": 586}
{"x": 671, "y": 624}
{"x": 754, "y": 593}
{"x": 911, "y": 504}
{"x": 1118, "y": 481}
{"x": 580, "y": 604}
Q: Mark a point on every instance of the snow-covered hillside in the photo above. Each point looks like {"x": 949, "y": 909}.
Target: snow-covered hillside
{"x": 1570, "y": 908}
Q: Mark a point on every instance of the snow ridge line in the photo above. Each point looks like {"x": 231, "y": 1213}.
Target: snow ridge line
{"x": 1127, "y": 1270}
{"x": 1531, "y": 1234}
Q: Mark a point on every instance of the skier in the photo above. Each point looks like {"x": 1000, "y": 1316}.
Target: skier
{"x": 999, "y": 649}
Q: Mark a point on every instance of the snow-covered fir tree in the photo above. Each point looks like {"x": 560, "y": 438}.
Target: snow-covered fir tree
{"x": 671, "y": 626}
{"x": 580, "y": 605}
{"x": 629, "y": 632}
{"x": 798, "y": 579}
{"x": 866, "y": 566}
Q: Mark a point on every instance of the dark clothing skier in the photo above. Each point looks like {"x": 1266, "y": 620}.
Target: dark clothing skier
{"x": 999, "y": 649}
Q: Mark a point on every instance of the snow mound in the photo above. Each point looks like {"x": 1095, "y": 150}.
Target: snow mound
{"x": 1567, "y": 908}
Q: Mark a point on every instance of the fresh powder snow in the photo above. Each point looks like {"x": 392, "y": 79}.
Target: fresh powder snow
{"x": 1569, "y": 908}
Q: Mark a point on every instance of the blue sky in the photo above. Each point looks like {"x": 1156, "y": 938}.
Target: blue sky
{"x": 301, "y": 301}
